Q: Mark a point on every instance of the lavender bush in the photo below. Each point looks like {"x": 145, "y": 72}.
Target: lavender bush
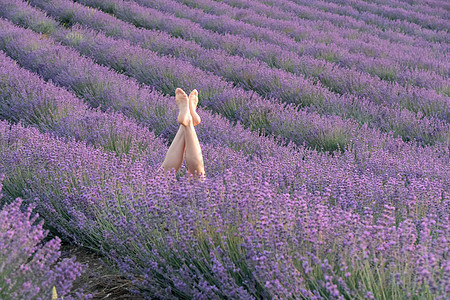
{"x": 26, "y": 98}
{"x": 29, "y": 267}
{"x": 234, "y": 235}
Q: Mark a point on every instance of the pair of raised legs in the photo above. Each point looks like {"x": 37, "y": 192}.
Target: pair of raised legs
{"x": 185, "y": 145}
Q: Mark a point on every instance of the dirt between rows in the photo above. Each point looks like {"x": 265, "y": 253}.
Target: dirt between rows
{"x": 98, "y": 279}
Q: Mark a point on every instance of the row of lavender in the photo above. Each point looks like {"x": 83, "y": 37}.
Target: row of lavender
{"x": 344, "y": 14}
{"x": 415, "y": 23}
{"x": 339, "y": 79}
{"x": 134, "y": 61}
{"x": 31, "y": 268}
{"x": 320, "y": 39}
{"x": 232, "y": 237}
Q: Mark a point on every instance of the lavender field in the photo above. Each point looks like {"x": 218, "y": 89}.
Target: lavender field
{"x": 325, "y": 135}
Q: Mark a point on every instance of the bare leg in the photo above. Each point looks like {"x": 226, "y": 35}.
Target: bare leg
{"x": 175, "y": 154}
{"x": 186, "y": 140}
{"x": 194, "y": 157}
{"x": 193, "y": 101}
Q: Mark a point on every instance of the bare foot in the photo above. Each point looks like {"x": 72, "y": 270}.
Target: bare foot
{"x": 193, "y": 101}
{"x": 182, "y": 101}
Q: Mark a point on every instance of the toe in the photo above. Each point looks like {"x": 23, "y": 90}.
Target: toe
{"x": 193, "y": 99}
{"x": 193, "y": 94}
{"x": 180, "y": 92}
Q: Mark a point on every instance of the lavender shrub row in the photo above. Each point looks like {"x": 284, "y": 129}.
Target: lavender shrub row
{"x": 422, "y": 8}
{"x": 115, "y": 133}
{"x": 231, "y": 237}
{"x": 26, "y": 98}
{"x": 30, "y": 268}
{"x": 305, "y": 41}
{"x": 336, "y": 12}
{"x": 402, "y": 123}
{"x": 242, "y": 140}
{"x": 393, "y": 13}
{"x": 414, "y": 99}
{"x": 102, "y": 87}
{"x": 385, "y": 37}
{"x": 329, "y": 43}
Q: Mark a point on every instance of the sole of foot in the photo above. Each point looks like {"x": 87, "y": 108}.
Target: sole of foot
{"x": 182, "y": 101}
{"x": 193, "y": 101}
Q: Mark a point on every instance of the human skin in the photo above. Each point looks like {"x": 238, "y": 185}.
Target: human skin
{"x": 185, "y": 145}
